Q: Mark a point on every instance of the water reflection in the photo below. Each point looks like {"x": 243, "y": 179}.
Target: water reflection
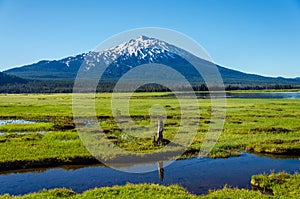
{"x": 161, "y": 170}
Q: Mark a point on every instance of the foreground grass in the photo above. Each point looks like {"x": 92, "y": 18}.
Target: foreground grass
{"x": 255, "y": 125}
{"x": 282, "y": 185}
{"x": 40, "y": 150}
{"x": 41, "y": 126}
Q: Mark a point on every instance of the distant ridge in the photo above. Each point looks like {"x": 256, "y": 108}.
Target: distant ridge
{"x": 11, "y": 79}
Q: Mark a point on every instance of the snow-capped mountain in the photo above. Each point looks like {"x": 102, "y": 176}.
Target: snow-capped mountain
{"x": 143, "y": 50}
{"x": 134, "y": 52}
{"x": 137, "y": 47}
{"x": 125, "y": 56}
{"x": 121, "y": 58}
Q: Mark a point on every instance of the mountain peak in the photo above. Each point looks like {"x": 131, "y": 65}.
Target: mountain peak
{"x": 142, "y": 46}
{"x": 143, "y": 37}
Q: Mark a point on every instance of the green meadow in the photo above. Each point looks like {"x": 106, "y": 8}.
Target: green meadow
{"x": 263, "y": 126}
{"x": 255, "y": 125}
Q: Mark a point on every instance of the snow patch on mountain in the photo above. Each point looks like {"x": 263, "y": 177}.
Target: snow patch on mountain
{"x": 141, "y": 48}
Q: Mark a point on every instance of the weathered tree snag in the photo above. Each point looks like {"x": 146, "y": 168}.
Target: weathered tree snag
{"x": 160, "y": 131}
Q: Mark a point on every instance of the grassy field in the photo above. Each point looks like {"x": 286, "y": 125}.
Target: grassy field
{"x": 279, "y": 185}
{"x": 253, "y": 125}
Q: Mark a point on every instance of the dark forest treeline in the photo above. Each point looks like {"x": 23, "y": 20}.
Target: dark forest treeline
{"x": 66, "y": 86}
{"x": 11, "y": 79}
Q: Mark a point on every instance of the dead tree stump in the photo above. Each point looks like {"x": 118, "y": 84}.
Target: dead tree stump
{"x": 160, "y": 129}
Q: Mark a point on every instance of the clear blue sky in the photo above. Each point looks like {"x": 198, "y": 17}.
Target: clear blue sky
{"x": 256, "y": 36}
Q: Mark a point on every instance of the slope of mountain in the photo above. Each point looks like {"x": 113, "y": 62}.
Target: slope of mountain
{"x": 10, "y": 79}
{"x": 130, "y": 54}
{"x": 62, "y": 69}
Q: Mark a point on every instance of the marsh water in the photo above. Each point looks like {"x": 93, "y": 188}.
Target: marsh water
{"x": 4, "y": 122}
{"x": 265, "y": 95}
{"x": 196, "y": 175}
{"x": 261, "y": 95}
